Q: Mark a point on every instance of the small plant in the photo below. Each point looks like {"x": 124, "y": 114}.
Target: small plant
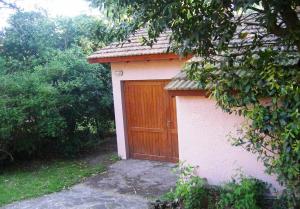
{"x": 191, "y": 190}
{"x": 247, "y": 194}
{"x": 193, "y": 193}
{"x": 114, "y": 158}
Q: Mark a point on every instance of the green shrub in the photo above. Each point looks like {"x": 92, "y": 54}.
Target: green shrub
{"x": 52, "y": 100}
{"x": 247, "y": 194}
{"x": 193, "y": 193}
{"x": 61, "y": 104}
{"x": 191, "y": 190}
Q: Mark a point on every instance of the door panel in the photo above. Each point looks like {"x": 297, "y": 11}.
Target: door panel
{"x": 151, "y": 121}
{"x": 172, "y": 126}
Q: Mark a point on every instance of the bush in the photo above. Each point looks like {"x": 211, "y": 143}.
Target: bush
{"x": 52, "y": 99}
{"x": 193, "y": 192}
{"x": 59, "y": 105}
{"x": 247, "y": 194}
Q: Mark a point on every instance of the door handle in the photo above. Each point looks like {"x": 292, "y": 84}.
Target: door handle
{"x": 169, "y": 123}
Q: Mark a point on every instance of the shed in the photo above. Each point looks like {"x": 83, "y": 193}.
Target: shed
{"x": 161, "y": 115}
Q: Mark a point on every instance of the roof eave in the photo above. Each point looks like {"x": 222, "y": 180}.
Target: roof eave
{"x": 188, "y": 92}
{"x": 134, "y": 58}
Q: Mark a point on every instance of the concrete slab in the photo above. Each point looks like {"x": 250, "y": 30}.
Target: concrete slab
{"x": 144, "y": 178}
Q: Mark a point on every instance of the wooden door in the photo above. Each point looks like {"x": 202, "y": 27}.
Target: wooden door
{"x": 151, "y": 121}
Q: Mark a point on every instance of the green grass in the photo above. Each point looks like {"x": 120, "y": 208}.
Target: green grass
{"x": 22, "y": 183}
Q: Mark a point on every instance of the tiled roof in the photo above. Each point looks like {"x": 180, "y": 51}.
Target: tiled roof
{"x": 245, "y": 34}
{"x": 181, "y": 82}
{"x": 133, "y": 46}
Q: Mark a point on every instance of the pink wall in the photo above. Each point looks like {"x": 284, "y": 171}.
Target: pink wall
{"x": 202, "y": 128}
{"x": 203, "y": 131}
{"x": 148, "y": 70}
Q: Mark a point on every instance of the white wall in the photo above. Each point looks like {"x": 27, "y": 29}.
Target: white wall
{"x": 147, "y": 70}
{"x": 203, "y": 141}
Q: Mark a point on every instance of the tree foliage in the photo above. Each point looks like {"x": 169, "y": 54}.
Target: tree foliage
{"x": 249, "y": 55}
{"x": 51, "y": 99}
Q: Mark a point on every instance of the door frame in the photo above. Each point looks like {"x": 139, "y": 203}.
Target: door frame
{"x": 125, "y": 115}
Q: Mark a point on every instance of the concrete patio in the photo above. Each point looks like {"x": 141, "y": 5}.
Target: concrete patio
{"x": 126, "y": 184}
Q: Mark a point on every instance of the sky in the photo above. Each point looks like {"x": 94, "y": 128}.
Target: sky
{"x": 69, "y": 8}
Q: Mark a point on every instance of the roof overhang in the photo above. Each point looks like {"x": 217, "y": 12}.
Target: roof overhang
{"x": 147, "y": 57}
{"x": 199, "y": 92}
{"x": 181, "y": 85}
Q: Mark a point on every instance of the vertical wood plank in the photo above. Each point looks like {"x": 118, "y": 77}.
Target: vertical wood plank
{"x": 151, "y": 121}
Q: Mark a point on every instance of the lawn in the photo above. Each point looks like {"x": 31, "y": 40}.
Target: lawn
{"x": 23, "y": 182}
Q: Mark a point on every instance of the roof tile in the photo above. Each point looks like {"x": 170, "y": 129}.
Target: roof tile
{"x": 181, "y": 82}
{"x": 134, "y": 46}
